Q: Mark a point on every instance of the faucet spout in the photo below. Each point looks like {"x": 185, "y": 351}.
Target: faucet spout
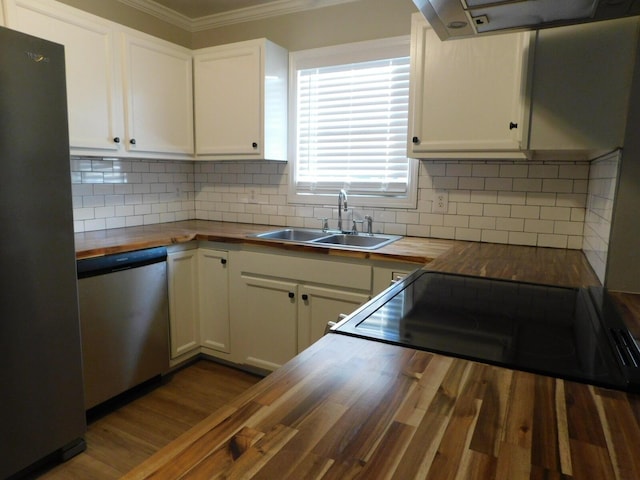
{"x": 342, "y": 203}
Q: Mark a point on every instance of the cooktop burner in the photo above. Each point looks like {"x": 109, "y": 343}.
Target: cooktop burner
{"x": 570, "y": 333}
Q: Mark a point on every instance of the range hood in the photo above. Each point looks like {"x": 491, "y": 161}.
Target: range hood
{"x": 467, "y": 18}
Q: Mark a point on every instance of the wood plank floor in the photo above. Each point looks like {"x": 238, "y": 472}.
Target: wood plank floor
{"x": 124, "y": 437}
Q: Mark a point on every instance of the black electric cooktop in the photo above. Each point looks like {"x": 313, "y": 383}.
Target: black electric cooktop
{"x": 570, "y": 333}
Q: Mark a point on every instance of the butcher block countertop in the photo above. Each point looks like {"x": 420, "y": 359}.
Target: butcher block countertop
{"x": 349, "y": 408}
{"x": 105, "y": 242}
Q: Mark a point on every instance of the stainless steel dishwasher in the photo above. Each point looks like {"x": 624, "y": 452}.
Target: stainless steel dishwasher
{"x": 124, "y": 320}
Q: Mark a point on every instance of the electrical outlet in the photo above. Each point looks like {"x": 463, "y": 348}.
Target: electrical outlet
{"x": 440, "y": 202}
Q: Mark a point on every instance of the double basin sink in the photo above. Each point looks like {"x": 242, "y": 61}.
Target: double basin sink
{"x": 328, "y": 238}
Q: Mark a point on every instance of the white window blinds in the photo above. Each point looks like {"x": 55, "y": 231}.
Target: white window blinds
{"x": 352, "y": 128}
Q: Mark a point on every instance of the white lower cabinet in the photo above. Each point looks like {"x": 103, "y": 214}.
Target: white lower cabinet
{"x": 213, "y": 301}
{"x": 258, "y": 309}
{"x": 182, "y": 274}
{"x": 266, "y": 321}
{"x": 319, "y": 305}
{"x": 281, "y": 304}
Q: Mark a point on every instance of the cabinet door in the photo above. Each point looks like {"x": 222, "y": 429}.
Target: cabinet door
{"x": 268, "y": 315}
{"x": 319, "y": 305}
{"x": 214, "y": 299}
{"x": 93, "y": 95}
{"x": 182, "y": 268}
{"x": 228, "y": 101}
{"x": 467, "y": 95}
{"x": 159, "y": 99}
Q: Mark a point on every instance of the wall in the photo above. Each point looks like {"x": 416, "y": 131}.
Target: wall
{"x": 349, "y": 22}
{"x": 131, "y": 17}
{"x": 597, "y": 227}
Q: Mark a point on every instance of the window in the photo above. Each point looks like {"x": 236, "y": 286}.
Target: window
{"x": 350, "y": 115}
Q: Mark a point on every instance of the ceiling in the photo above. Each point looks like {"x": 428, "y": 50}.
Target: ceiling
{"x": 194, "y": 15}
{"x": 202, "y": 8}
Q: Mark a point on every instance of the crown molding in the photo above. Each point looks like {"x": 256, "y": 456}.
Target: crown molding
{"x": 259, "y": 12}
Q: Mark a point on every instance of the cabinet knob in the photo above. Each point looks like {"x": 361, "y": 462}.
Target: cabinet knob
{"x": 223, "y": 261}
{"x": 415, "y": 140}
{"x": 291, "y": 295}
{"x": 132, "y": 141}
{"x": 512, "y": 125}
{"x": 254, "y": 145}
{"x": 305, "y": 297}
{"x": 116, "y": 139}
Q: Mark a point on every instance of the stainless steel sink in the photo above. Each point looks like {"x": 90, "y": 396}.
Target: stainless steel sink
{"x": 361, "y": 241}
{"x": 292, "y": 235}
{"x": 328, "y": 239}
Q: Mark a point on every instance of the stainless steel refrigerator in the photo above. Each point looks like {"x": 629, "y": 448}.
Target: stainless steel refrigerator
{"x": 41, "y": 395}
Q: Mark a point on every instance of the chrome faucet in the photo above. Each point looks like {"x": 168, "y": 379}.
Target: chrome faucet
{"x": 342, "y": 200}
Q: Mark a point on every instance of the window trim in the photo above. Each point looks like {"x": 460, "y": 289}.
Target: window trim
{"x": 335, "y": 55}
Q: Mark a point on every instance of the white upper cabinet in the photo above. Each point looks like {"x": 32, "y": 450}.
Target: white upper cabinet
{"x": 466, "y": 95}
{"x": 2, "y": 23}
{"x": 241, "y": 101}
{"x": 159, "y": 99}
{"x": 129, "y": 94}
{"x": 93, "y": 88}
{"x": 560, "y": 93}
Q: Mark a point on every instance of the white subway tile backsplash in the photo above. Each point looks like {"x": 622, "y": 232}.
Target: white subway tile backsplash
{"x": 568, "y": 228}
{"x": 515, "y": 170}
{"x": 494, "y": 236}
{"x": 468, "y": 234}
{"x": 543, "y": 171}
{"x": 512, "y": 198}
{"x": 499, "y": 184}
{"x": 538, "y": 226}
{"x": 521, "y": 211}
{"x": 500, "y": 201}
{"x": 522, "y": 238}
{"x": 469, "y": 209}
{"x": 471, "y": 183}
{"x": 458, "y": 170}
{"x": 510, "y": 224}
{"x": 599, "y": 210}
{"x": 558, "y": 185}
{"x": 456, "y": 221}
{"x": 485, "y": 170}
{"x": 555, "y": 213}
{"x": 443, "y": 232}
{"x": 548, "y": 199}
{"x": 552, "y": 240}
{"x": 574, "y": 172}
{"x": 495, "y": 210}
{"x": 527, "y": 184}
{"x": 484, "y": 223}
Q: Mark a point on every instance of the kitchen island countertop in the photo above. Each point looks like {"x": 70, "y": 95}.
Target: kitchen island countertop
{"x": 349, "y": 408}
